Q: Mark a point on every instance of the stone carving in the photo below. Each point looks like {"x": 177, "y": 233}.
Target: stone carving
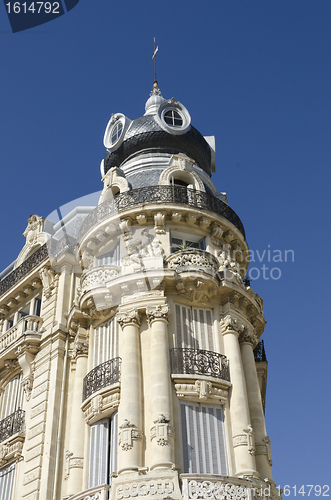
{"x": 80, "y": 348}
{"x": 191, "y": 219}
{"x": 229, "y": 267}
{"x": 182, "y": 168}
{"x": 192, "y": 260}
{"x": 248, "y": 336}
{"x": 35, "y": 226}
{"x": 130, "y": 317}
{"x": 127, "y": 434}
{"x": 204, "y": 223}
{"x": 99, "y": 276}
{"x": 125, "y": 228}
{"x": 27, "y": 384}
{"x": 159, "y": 312}
{"x": 114, "y": 178}
{"x": 87, "y": 259}
{"x": 217, "y": 490}
{"x": 176, "y": 216}
{"x": 161, "y": 430}
{"x": 10, "y": 450}
{"x": 216, "y": 234}
{"x": 230, "y": 324}
{"x": 159, "y": 222}
{"x": 197, "y": 291}
{"x": 267, "y": 442}
{"x": 201, "y": 390}
{"x": 141, "y": 219}
{"x": 138, "y": 249}
{"x": 49, "y": 280}
{"x": 156, "y": 488}
{"x": 250, "y": 439}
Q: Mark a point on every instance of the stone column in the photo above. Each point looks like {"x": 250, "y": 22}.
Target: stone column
{"x": 75, "y": 454}
{"x": 162, "y": 432}
{"x": 242, "y": 433}
{"x": 248, "y": 341}
{"x": 130, "y": 408}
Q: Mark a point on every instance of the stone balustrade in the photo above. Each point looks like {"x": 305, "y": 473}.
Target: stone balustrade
{"x": 26, "y": 325}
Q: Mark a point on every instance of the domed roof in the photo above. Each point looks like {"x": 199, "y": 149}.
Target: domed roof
{"x": 165, "y": 127}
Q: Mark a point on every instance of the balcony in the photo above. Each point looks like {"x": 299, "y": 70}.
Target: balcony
{"x": 186, "y": 361}
{"x": 175, "y": 195}
{"x": 101, "y": 376}
{"x": 25, "y": 326}
{"x": 12, "y": 424}
{"x": 193, "y": 260}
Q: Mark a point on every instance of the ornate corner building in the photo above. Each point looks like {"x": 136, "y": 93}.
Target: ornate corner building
{"x": 130, "y": 361}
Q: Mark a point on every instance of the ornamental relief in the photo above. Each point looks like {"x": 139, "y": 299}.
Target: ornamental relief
{"x": 198, "y": 291}
{"x": 101, "y": 405}
{"x": 201, "y": 390}
{"x": 130, "y": 317}
{"x": 193, "y": 260}
{"x": 159, "y": 312}
{"x": 128, "y": 433}
{"x": 99, "y": 276}
{"x": 230, "y": 324}
{"x": 162, "y": 430}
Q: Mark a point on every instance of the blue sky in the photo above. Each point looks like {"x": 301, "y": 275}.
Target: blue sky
{"x": 254, "y": 73}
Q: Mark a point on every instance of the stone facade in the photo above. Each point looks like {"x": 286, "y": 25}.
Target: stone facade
{"x": 127, "y": 364}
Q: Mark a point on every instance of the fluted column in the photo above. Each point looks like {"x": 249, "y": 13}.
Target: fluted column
{"x": 75, "y": 454}
{"x": 162, "y": 431}
{"x": 248, "y": 341}
{"x": 242, "y": 432}
{"x": 130, "y": 408}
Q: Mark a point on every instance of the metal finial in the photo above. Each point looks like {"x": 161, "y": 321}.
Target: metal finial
{"x": 154, "y": 57}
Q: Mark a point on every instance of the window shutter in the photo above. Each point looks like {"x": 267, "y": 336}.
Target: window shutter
{"x": 113, "y": 444}
{"x": 99, "y": 449}
{"x": 105, "y": 342}
{"x": 194, "y": 328}
{"x": 203, "y": 442}
{"x": 184, "y": 327}
{"x": 111, "y": 258}
{"x": 12, "y": 398}
{"x": 6, "y": 481}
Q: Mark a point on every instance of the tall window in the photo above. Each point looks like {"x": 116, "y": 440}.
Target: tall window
{"x": 203, "y": 442}
{"x": 194, "y": 328}
{"x": 105, "y": 342}
{"x": 103, "y": 451}
{"x": 12, "y": 398}
{"x": 110, "y": 258}
{"x": 6, "y": 481}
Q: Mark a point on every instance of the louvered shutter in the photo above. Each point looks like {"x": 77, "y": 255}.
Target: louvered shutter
{"x": 12, "y": 398}
{"x": 6, "y": 482}
{"x": 203, "y": 443}
{"x": 105, "y": 342}
{"x": 203, "y": 328}
{"x": 111, "y": 258}
{"x": 184, "y": 327}
{"x": 113, "y": 444}
{"x": 99, "y": 452}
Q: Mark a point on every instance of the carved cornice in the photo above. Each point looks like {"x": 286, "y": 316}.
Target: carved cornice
{"x": 130, "y": 317}
{"x": 202, "y": 390}
{"x": 11, "y": 449}
{"x": 196, "y": 291}
{"x": 231, "y": 325}
{"x": 157, "y": 313}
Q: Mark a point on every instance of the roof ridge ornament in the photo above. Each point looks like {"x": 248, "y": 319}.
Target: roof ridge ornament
{"x": 154, "y": 57}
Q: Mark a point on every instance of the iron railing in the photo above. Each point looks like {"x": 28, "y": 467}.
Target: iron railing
{"x": 12, "y": 424}
{"x": 30, "y": 263}
{"x": 199, "y": 362}
{"x": 178, "y": 195}
{"x": 259, "y": 352}
{"x": 103, "y": 375}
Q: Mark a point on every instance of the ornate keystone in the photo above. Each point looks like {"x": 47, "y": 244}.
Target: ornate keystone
{"x": 130, "y": 317}
{"x": 157, "y": 313}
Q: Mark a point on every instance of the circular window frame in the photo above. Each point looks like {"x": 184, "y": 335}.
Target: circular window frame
{"x": 174, "y": 105}
{"x": 115, "y": 120}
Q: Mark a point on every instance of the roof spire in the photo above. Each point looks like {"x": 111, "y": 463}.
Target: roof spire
{"x": 155, "y": 84}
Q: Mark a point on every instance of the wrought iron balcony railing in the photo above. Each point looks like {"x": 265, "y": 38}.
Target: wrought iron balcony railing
{"x": 188, "y": 361}
{"x": 12, "y": 424}
{"x": 103, "y": 375}
{"x": 259, "y": 352}
{"x": 177, "y": 195}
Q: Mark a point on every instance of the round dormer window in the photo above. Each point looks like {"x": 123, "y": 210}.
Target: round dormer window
{"x": 173, "y": 118}
{"x": 115, "y": 132}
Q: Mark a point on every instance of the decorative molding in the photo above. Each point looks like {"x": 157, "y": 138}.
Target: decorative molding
{"x": 80, "y": 348}
{"x": 27, "y": 384}
{"x": 157, "y": 313}
{"x": 162, "y": 430}
{"x": 11, "y": 449}
{"x": 49, "y": 280}
{"x": 130, "y": 317}
{"x": 250, "y": 439}
{"x": 125, "y": 228}
{"x": 216, "y": 234}
{"x": 101, "y": 405}
{"x": 98, "y": 276}
{"x": 127, "y": 434}
{"x": 197, "y": 291}
{"x": 141, "y": 219}
{"x": 192, "y": 260}
{"x": 200, "y": 390}
{"x": 204, "y": 223}
{"x": 201, "y": 489}
{"x": 249, "y": 337}
{"x": 159, "y": 222}
{"x": 114, "y": 178}
{"x": 176, "y": 216}
{"x": 230, "y": 324}
{"x": 182, "y": 165}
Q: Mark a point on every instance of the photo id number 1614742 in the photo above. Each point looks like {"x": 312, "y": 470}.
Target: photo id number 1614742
{"x": 33, "y": 7}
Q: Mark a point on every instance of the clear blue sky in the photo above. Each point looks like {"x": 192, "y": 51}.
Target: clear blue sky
{"x": 254, "y": 73}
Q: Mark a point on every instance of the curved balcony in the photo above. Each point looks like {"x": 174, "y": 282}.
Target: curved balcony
{"x": 177, "y": 195}
{"x": 12, "y": 424}
{"x": 27, "y": 325}
{"x": 193, "y": 260}
{"x": 103, "y": 375}
{"x": 186, "y": 361}
{"x": 97, "y": 276}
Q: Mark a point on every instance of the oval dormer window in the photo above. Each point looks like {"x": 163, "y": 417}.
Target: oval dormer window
{"x": 116, "y": 132}
{"x": 173, "y": 118}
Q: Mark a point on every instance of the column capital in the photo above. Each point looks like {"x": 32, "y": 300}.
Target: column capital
{"x": 247, "y": 336}
{"x": 231, "y": 325}
{"x": 159, "y": 312}
{"x": 130, "y": 317}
